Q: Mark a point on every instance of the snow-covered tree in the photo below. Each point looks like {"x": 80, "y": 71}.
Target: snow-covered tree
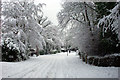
{"x": 110, "y": 32}
{"x": 104, "y": 8}
{"x": 79, "y": 20}
{"x": 23, "y": 23}
{"x": 19, "y": 24}
{"x": 51, "y": 35}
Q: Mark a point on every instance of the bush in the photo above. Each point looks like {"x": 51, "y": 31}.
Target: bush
{"x": 117, "y": 61}
{"x": 95, "y": 61}
{"x": 83, "y": 57}
{"x": 104, "y": 62}
{"x": 110, "y": 60}
{"x": 80, "y": 55}
{"x": 41, "y": 52}
{"x": 90, "y": 60}
{"x": 107, "y": 46}
{"x": 54, "y": 52}
{"x": 10, "y": 51}
{"x": 118, "y": 48}
{"x": 58, "y": 51}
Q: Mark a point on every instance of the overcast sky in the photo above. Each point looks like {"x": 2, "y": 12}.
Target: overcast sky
{"x": 51, "y": 9}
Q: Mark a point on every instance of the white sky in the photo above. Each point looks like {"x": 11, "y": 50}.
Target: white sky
{"x": 51, "y": 9}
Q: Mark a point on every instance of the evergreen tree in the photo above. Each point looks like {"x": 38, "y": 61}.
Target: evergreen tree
{"x": 109, "y": 32}
{"x": 103, "y": 8}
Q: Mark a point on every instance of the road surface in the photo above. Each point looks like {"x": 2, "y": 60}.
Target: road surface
{"x": 56, "y": 66}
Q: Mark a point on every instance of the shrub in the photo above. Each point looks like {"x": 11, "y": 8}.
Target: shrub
{"x": 58, "y": 51}
{"x": 10, "y": 51}
{"x": 83, "y": 57}
{"x": 54, "y": 51}
{"x": 107, "y": 46}
{"x": 109, "y": 60}
{"x": 117, "y": 61}
{"x": 80, "y": 55}
{"x": 41, "y": 52}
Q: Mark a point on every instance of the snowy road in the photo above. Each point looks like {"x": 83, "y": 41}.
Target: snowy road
{"x": 56, "y": 66}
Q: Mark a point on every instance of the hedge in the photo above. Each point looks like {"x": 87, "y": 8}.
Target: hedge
{"x": 105, "y": 61}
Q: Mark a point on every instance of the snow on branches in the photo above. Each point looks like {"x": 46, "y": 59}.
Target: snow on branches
{"x": 23, "y": 22}
{"x": 78, "y": 20}
{"x": 111, "y": 20}
{"x": 110, "y": 32}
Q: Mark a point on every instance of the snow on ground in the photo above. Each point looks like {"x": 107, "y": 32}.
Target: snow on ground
{"x": 56, "y": 66}
{"x": 0, "y": 71}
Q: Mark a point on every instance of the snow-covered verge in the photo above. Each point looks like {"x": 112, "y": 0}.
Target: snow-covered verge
{"x": 56, "y": 66}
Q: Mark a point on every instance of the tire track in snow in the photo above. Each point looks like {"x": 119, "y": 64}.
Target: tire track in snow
{"x": 41, "y": 69}
{"x": 29, "y": 69}
{"x": 52, "y": 71}
{"x": 57, "y": 66}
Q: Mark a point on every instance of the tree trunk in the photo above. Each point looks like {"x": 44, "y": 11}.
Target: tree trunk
{"x": 86, "y": 15}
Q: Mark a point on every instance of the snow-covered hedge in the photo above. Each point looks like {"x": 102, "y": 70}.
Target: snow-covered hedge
{"x": 105, "y": 61}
